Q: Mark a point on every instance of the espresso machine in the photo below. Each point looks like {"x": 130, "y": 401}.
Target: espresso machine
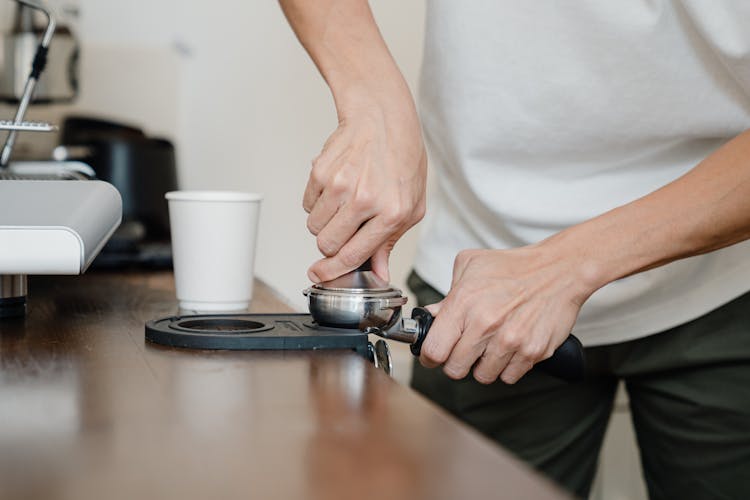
{"x": 54, "y": 219}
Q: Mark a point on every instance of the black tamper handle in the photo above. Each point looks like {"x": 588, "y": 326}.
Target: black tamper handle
{"x": 566, "y": 363}
{"x": 366, "y": 266}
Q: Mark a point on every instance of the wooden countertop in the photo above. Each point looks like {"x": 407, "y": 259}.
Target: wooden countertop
{"x": 88, "y": 409}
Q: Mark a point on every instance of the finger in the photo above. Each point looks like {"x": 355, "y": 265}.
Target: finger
{"x": 517, "y": 367}
{"x": 434, "y": 309}
{"x": 490, "y": 365}
{"x": 380, "y": 261}
{"x": 313, "y": 189}
{"x": 534, "y": 348}
{"x": 465, "y": 353}
{"x": 361, "y": 245}
{"x": 341, "y": 229}
{"x": 445, "y": 331}
{"x": 382, "y": 255}
{"x": 322, "y": 167}
{"x": 323, "y": 211}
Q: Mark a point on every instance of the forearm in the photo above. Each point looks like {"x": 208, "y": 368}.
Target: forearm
{"x": 343, "y": 40}
{"x": 706, "y": 209}
{"x": 367, "y": 185}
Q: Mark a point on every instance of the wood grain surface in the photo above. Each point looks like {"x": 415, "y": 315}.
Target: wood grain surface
{"x": 89, "y": 410}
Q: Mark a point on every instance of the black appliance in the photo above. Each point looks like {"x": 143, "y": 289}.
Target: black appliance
{"x": 142, "y": 169}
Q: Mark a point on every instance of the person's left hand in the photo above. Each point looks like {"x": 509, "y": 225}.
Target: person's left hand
{"x": 505, "y": 311}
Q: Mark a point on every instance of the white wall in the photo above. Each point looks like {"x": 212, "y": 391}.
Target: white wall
{"x": 229, "y": 83}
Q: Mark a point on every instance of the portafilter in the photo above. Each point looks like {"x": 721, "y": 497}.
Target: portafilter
{"x": 361, "y": 300}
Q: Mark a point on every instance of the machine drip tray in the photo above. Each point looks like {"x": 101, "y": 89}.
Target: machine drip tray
{"x": 252, "y": 332}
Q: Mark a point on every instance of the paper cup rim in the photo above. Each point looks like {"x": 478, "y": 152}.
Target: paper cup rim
{"x": 212, "y": 196}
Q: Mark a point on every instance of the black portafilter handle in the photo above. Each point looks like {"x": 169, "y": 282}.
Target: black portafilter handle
{"x": 567, "y": 363}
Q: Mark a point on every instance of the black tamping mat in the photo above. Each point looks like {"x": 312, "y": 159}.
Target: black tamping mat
{"x": 252, "y": 332}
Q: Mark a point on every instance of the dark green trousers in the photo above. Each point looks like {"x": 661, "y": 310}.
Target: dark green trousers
{"x": 689, "y": 392}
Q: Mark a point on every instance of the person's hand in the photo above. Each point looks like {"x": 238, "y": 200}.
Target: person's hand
{"x": 506, "y": 310}
{"x": 367, "y": 186}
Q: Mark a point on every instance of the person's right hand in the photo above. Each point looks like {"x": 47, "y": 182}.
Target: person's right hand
{"x": 367, "y": 186}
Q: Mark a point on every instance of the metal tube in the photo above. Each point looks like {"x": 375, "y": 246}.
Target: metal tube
{"x": 406, "y": 330}
{"x": 28, "y": 90}
{"x": 13, "y": 285}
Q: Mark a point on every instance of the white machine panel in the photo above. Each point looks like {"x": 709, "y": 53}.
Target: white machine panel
{"x": 55, "y": 227}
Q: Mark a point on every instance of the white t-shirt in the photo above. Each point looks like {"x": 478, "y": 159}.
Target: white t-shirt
{"x": 540, "y": 115}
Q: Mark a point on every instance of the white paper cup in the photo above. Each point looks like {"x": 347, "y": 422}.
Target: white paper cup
{"x": 213, "y": 247}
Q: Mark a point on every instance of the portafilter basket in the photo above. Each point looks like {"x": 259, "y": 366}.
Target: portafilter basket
{"x": 358, "y": 300}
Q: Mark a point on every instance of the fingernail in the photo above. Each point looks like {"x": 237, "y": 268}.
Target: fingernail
{"x": 313, "y": 277}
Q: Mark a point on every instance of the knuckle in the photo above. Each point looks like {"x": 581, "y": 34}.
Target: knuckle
{"x": 532, "y": 352}
{"x": 364, "y": 200}
{"x": 486, "y": 320}
{"x": 339, "y": 183}
{"x": 312, "y": 227}
{"x": 548, "y": 353}
{"x": 432, "y": 353}
{"x": 494, "y": 353}
{"x": 484, "y": 378}
{"x": 326, "y": 246}
{"x": 455, "y": 372}
{"x": 464, "y": 257}
{"x": 349, "y": 258}
{"x": 392, "y": 217}
{"x": 419, "y": 212}
{"x": 317, "y": 174}
{"x": 509, "y": 342}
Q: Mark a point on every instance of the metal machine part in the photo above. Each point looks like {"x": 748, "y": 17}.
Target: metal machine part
{"x": 55, "y": 227}
{"x": 382, "y": 357}
{"x": 47, "y": 171}
{"x": 13, "y": 290}
{"x": 59, "y": 82}
{"x": 40, "y": 60}
{"x": 50, "y": 227}
{"x": 27, "y": 126}
{"x": 410, "y": 330}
